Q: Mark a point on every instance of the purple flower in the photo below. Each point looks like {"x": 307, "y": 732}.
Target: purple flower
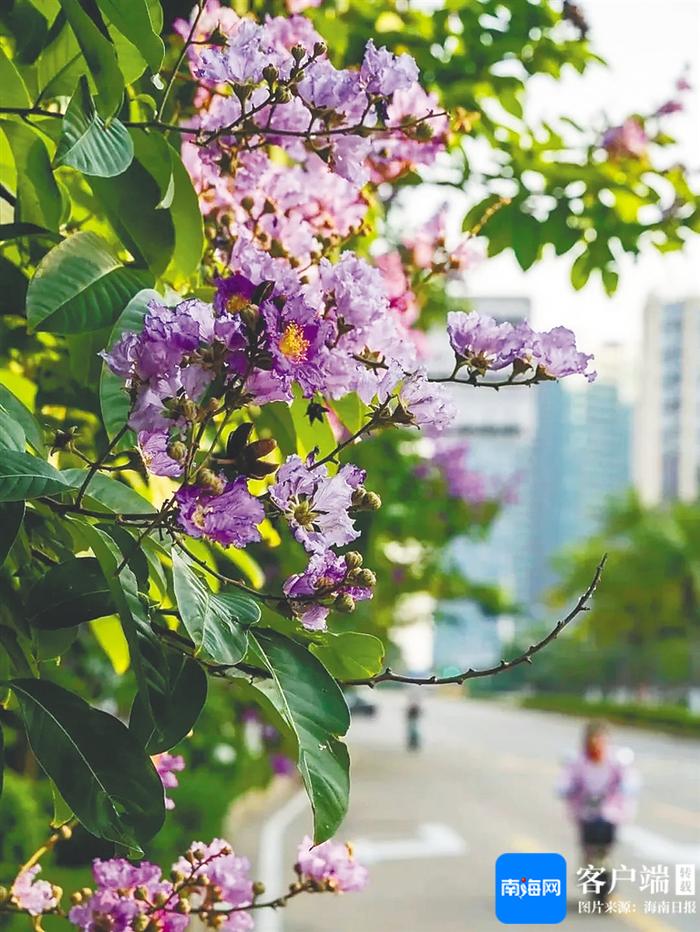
{"x": 425, "y": 404}
{"x": 315, "y": 504}
{"x": 331, "y": 865}
{"x": 34, "y": 896}
{"x": 167, "y": 766}
{"x": 296, "y": 340}
{"x": 154, "y": 453}
{"x": 382, "y": 72}
{"x": 326, "y": 577}
{"x": 106, "y": 910}
{"x": 241, "y": 61}
{"x": 229, "y": 517}
{"x": 233, "y": 293}
{"x": 483, "y": 343}
{"x": 555, "y": 352}
{"x": 223, "y": 869}
{"x": 358, "y": 293}
{"x": 282, "y": 765}
{"x": 627, "y": 140}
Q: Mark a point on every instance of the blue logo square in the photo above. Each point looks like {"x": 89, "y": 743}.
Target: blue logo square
{"x": 531, "y": 888}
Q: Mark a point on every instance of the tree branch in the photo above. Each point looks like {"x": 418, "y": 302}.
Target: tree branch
{"x": 433, "y": 680}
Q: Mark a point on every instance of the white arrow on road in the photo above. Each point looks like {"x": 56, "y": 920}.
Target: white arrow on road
{"x": 432, "y": 839}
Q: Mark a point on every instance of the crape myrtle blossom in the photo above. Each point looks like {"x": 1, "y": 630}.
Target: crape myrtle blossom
{"x": 331, "y": 865}
{"x": 167, "y": 765}
{"x": 316, "y": 504}
{"x": 224, "y": 882}
{"x": 481, "y": 344}
{"x": 628, "y": 140}
{"x": 333, "y": 579}
{"x": 227, "y": 513}
{"x": 34, "y": 896}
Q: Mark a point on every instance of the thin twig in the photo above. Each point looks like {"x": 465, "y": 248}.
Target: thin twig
{"x": 181, "y": 58}
{"x": 388, "y": 676}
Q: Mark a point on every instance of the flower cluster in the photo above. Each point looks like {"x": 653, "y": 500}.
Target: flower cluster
{"x": 32, "y": 895}
{"x": 167, "y": 765}
{"x": 209, "y": 881}
{"x": 330, "y": 866}
{"x": 482, "y": 344}
{"x": 630, "y": 139}
{"x": 449, "y": 461}
{"x": 329, "y": 581}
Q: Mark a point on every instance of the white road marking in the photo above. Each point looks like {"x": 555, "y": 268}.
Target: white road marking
{"x": 432, "y": 839}
{"x": 651, "y": 845}
{"x": 271, "y": 867}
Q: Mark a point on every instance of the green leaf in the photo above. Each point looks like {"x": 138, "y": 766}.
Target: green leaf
{"x": 62, "y": 812}
{"x": 99, "y": 52}
{"x": 610, "y": 280}
{"x": 526, "y": 239}
{"x": 61, "y": 62}
{"x": 312, "y": 705}
{"x": 350, "y": 655}
{"x": 11, "y": 518}
{"x": 188, "y": 220}
{"x": 114, "y": 496}
{"x": 14, "y": 92}
{"x": 2, "y": 760}
{"x": 114, "y": 399}
{"x": 581, "y": 270}
{"x": 351, "y": 410}
{"x": 87, "y": 143}
{"x": 69, "y": 594}
{"x": 214, "y": 621}
{"x": 131, "y": 203}
{"x": 177, "y": 698}
{"x": 23, "y": 416}
{"x": 10, "y": 231}
{"x": 11, "y": 433}
{"x": 23, "y": 476}
{"x": 318, "y": 435}
{"x": 133, "y": 21}
{"x": 80, "y": 286}
{"x": 125, "y": 592}
{"x": 38, "y": 196}
{"x": 100, "y": 769}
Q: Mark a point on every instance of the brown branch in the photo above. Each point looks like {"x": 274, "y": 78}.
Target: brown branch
{"x": 388, "y": 676}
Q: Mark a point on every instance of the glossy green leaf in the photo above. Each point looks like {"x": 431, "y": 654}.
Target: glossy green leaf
{"x": 11, "y": 433}
{"x": 131, "y": 201}
{"x": 214, "y": 621}
{"x": 114, "y": 399}
{"x": 10, "y": 231}
{"x": 38, "y": 196}
{"x": 23, "y": 416}
{"x": 23, "y": 476}
{"x": 312, "y": 705}
{"x": 114, "y": 496}
{"x": 11, "y": 518}
{"x": 89, "y": 145}
{"x": 187, "y": 219}
{"x": 178, "y": 695}
{"x": 349, "y": 655}
{"x": 99, "y": 52}
{"x": 14, "y": 91}
{"x": 61, "y": 62}
{"x": 80, "y": 286}
{"x": 526, "y": 238}
{"x": 100, "y": 769}
{"x": 69, "y": 594}
{"x": 133, "y": 20}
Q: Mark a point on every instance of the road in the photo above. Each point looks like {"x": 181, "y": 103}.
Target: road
{"x": 434, "y": 822}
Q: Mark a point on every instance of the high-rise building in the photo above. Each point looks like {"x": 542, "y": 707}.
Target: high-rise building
{"x": 581, "y": 459}
{"x": 500, "y": 429}
{"x": 667, "y": 422}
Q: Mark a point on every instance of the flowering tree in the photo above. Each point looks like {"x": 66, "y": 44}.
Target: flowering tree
{"x": 198, "y": 340}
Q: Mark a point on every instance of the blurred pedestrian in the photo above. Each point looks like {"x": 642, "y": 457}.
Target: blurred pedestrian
{"x": 599, "y": 785}
{"x": 413, "y": 715}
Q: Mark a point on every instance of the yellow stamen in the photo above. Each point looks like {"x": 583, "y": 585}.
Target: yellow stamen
{"x": 293, "y": 343}
{"x": 236, "y": 303}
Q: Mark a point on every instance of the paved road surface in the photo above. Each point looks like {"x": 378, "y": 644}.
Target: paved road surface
{"x": 482, "y": 785}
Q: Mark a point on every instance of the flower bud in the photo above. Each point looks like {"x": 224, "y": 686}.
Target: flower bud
{"x": 270, "y": 73}
{"x": 250, "y": 316}
{"x": 210, "y": 481}
{"x": 262, "y": 447}
{"x": 320, "y": 48}
{"x": 372, "y": 501}
{"x": 247, "y": 203}
{"x": 161, "y": 898}
{"x": 358, "y": 497}
{"x": 345, "y": 604}
{"x": 424, "y": 131}
{"x": 86, "y": 892}
{"x": 141, "y": 893}
{"x": 258, "y": 888}
{"x": 177, "y": 450}
{"x": 140, "y": 923}
{"x": 4, "y": 893}
{"x": 176, "y": 876}
{"x": 353, "y": 559}
{"x": 298, "y": 52}
{"x": 183, "y": 907}
{"x": 366, "y": 579}
{"x": 284, "y": 95}
{"x": 188, "y": 409}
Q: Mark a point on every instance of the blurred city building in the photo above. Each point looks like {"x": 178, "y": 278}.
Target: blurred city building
{"x": 581, "y": 459}
{"x": 500, "y": 428}
{"x": 667, "y": 417}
